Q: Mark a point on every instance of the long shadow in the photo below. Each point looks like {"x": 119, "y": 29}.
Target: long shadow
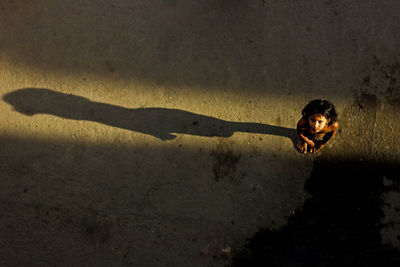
{"x": 161, "y": 123}
{"x": 339, "y": 226}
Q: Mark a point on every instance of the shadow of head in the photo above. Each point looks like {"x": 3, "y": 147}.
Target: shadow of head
{"x": 31, "y": 101}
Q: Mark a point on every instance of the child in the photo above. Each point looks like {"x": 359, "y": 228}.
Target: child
{"x": 317, "y": 126}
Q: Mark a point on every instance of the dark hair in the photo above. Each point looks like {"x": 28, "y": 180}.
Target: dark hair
{"x": 323, "y": 107}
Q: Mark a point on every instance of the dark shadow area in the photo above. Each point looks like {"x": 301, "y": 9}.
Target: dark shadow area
{"x": 258, "y": 46}
{"x": 84, "y": 204}
{"x": 161, "y": 123}
{"x": 338, "y": 226}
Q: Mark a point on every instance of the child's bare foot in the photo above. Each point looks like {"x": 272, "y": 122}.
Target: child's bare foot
{"x": 316, "y": 148}
{"x": 313, "y": 150}
{"x": 302, "y": 147}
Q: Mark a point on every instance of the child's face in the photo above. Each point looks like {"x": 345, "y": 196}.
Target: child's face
{"x": 317, "y": 122}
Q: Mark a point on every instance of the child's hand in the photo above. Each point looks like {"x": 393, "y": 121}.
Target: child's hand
{"x": 302, "y": 147}
{"x": 311, "y": 143}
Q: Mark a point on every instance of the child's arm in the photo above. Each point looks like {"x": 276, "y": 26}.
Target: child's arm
{"x": 330, "y": 134}
{"x": 300, "y": 129}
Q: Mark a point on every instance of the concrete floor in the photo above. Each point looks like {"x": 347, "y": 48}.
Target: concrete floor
{"x": 161, "y": 133}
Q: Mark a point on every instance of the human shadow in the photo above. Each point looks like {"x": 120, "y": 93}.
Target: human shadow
{"x": 340, "y": 225}
{"x": 162, "y": 123}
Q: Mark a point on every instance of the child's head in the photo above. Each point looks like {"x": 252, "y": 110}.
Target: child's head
{"x": 319, "y": 113}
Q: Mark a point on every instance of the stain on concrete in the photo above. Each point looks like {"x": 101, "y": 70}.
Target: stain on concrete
{"x": 225, "y": 161}
{"x": 384, "y": 78}
{"x": 96, "y": 229}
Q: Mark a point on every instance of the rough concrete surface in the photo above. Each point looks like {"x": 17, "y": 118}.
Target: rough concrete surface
{"x": 161, "y": 133}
